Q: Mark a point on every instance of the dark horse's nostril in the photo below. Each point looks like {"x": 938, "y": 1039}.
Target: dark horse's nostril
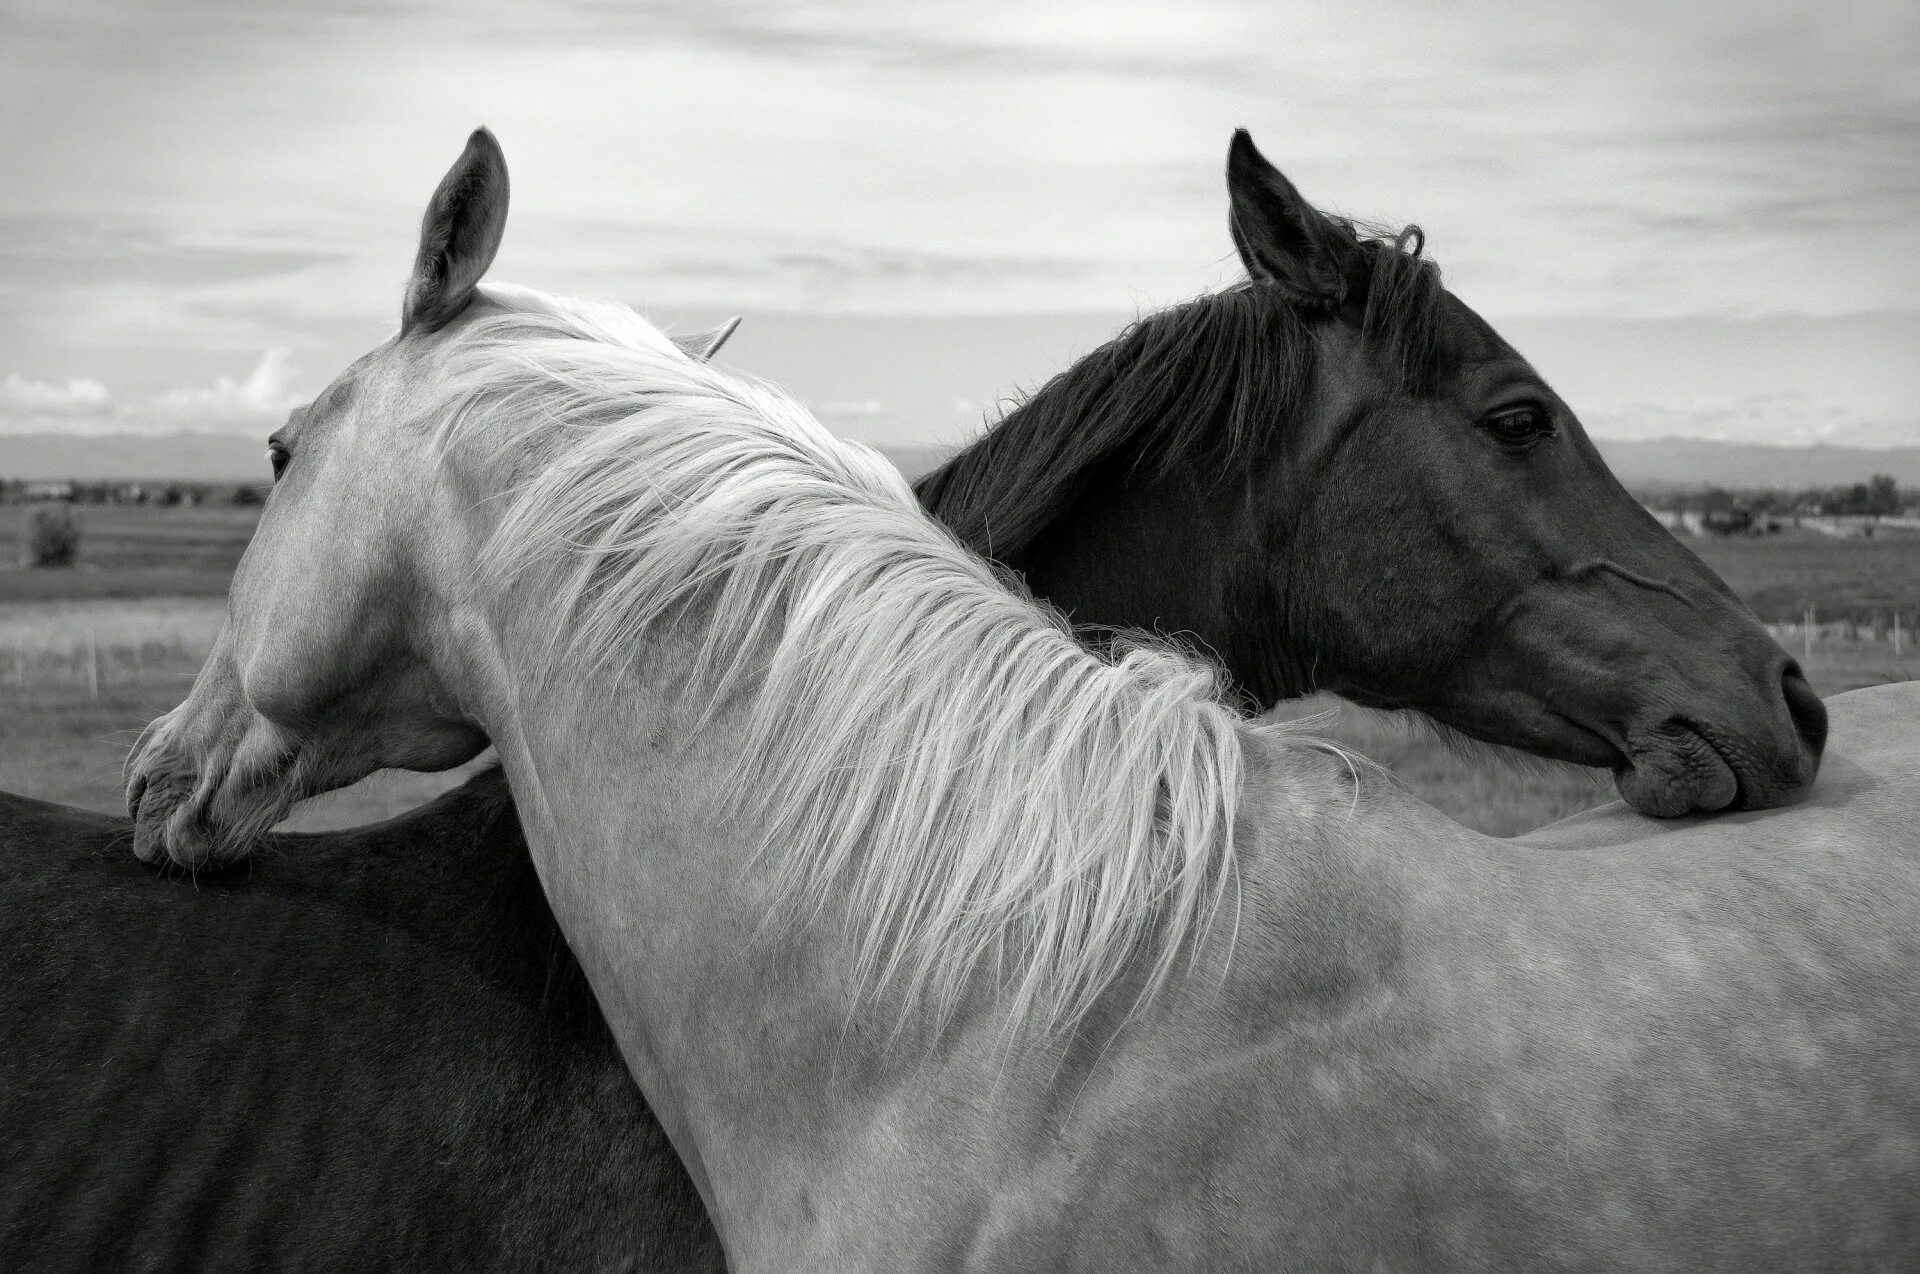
{"x": 1804, "y": 706}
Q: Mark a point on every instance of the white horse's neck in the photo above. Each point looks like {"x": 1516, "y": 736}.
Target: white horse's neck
{"x": 992, "y": 874}
{"x": 782, "y": 1083}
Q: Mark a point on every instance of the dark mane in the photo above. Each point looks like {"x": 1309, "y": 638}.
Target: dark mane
{"x": 1206, "y": 381}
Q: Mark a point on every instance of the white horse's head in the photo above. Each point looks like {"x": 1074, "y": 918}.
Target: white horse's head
{"x": 320, "y": 646}
{"x": 325, "y": 670}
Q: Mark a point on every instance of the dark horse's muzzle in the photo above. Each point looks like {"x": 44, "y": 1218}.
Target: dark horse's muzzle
{"x": 1679, "y": 690}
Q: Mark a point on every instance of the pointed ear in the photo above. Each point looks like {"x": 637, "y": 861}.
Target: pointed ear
{"x": 1282, "y": 239}
{"x": 458, "y": 236}
{"x": 702, "y": 346}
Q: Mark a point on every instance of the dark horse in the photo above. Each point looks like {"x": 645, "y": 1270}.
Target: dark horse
{"x": 1334, "y": 476}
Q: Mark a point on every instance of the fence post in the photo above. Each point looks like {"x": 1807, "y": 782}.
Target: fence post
{"x": 93, "y": 664}
{"x": 1806, "y": 640}
{"x": 1896, "y": 630}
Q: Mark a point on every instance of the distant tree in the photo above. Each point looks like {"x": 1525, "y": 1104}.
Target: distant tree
{"x": 1881, "y": 495}
{"x": 1717, "y": 500}
{"x": 53, "y": 535}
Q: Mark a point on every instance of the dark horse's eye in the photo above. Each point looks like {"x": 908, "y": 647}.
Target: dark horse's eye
{"x": 277, "y": 456}
{"x": 1518, "y": 428}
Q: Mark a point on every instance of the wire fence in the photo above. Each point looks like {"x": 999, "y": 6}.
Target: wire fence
{"x": 1893, "y": 628}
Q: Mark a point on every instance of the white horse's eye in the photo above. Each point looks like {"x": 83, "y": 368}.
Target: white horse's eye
{"x": 277, "y": 456}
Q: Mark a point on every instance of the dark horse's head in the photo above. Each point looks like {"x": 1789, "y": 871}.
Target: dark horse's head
{"x": 1337, "y": 476}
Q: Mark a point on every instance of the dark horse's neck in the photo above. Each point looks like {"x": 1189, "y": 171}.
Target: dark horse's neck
{"x": 1142, "y": 488}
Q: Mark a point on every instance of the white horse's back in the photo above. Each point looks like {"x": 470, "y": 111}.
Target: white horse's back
{"x": 1686, "y": 1045}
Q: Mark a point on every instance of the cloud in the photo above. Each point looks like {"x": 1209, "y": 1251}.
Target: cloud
{"x": 263, "y": 397}
{"x": 950, "y": 157}
{"x": 84, "y": 405}
{"x": 848, "y": 408}
{"x": 835, "y": 264}
{"x": 211, "y": 176}
{"x": 1141, "y": 39}
{"x": 23, "y": 400}
{"x": 50, "y": 250}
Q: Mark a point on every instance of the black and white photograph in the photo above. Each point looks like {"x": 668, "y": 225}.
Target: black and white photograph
{"x": 1224, "y": 635}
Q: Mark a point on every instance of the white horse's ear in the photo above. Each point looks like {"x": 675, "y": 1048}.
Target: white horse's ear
{"x": 702, "y": 346}
{"x": 458, "y": 236}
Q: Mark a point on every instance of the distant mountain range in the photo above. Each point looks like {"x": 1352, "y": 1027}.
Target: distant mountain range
{"x": 1696, "y": 462}
{"x": 1688, "y": 462}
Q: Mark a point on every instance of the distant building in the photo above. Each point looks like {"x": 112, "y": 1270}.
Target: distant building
{"x": 1735, "y": 521}
{"x": 1679, "y": 521}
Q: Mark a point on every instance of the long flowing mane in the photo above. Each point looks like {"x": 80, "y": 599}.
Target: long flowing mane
{"x": 1207, "y": 381}
{"x": 932, "y": 750}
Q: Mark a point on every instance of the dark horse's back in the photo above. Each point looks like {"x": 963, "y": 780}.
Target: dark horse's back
{"x": 367, "y": 1051}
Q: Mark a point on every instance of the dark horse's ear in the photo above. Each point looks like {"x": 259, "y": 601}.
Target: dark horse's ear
{"x": 702, "y": 346}
{"x": 458, "y": 236}
{"x": 1282, "y": 239}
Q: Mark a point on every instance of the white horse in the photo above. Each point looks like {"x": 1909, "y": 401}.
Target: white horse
{"x": 937, "y": 941}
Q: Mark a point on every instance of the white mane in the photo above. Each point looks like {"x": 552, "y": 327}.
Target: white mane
{"x": 930, "y": 749}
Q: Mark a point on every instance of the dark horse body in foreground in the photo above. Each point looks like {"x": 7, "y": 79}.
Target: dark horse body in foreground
{"x": 395, "y": 1059}
{"x": 401, "y": 1067}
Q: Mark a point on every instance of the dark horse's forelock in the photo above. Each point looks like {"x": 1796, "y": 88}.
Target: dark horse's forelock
{"x": 1205, "y": 381}
{"x": 1402, "y": 316}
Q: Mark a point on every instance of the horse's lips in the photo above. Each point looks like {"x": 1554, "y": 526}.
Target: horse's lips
{"x": 164, "y": 828}
{"x": 149, "y": 825}
{"x": 1688, "y": 776}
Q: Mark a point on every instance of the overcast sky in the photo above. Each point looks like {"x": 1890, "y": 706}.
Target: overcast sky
{"x": 1696, "y": 218}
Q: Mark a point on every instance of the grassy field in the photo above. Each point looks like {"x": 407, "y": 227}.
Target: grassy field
{"x": 79, "y": 679}
{"x": 88, "y": 656}
{"x": 1780, "y": 575}
{"x": 133, "y": 551}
